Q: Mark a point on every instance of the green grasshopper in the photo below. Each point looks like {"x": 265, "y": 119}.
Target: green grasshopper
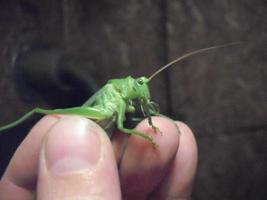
{"x": 108, "y": 106}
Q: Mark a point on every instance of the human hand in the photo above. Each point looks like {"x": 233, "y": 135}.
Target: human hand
{"x": 69, "y": 157}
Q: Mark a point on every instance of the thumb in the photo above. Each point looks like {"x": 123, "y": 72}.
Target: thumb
{"x": 77, "y": 162}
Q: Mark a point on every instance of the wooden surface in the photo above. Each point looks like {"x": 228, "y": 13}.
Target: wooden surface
{"x": 221, "y": 94}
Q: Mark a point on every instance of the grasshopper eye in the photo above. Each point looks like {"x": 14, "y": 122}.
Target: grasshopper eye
{"x": 140, "y": 81}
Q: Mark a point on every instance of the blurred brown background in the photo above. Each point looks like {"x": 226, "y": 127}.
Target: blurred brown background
{"x": 56, "y": 53}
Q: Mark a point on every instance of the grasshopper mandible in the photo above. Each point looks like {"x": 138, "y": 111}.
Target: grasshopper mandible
{"x": 108, "y": 106}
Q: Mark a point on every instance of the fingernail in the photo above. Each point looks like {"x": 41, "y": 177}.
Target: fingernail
{"x": 73, "y": 144}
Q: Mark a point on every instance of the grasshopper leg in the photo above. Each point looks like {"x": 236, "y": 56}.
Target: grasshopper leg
{"x": 120, "y": 120}
{"x": 156, "y": 129}
{"x": 89, "y": 112}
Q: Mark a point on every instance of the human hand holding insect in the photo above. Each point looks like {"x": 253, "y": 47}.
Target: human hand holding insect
{"x": 71, "y": 157}
{"x": 67, "y": 155}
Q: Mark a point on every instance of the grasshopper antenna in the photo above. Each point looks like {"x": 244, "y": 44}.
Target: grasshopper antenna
{"x": 190, "y": 54}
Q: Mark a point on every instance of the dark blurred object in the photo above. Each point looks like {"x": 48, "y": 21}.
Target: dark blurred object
{"x": 46, "y": 77}
{"x": 61, "y": 78}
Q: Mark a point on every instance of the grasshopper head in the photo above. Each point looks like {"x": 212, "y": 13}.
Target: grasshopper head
{"x": 141, "y": 88}
{"x": 131, "y": 88}
{"x": 147, "y": 106}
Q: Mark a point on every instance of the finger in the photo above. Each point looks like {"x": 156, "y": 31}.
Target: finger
{"x": 179, "y": 180}
{"x": 143, "y": 166}
{"x": 119, "y": 143}
{"x": 77, "y": 162}
{"x": 19, "y": 179}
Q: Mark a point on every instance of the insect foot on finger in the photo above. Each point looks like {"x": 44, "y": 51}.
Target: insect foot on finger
{"x": 156, "y": 130}
{"x": 152, "y": 141}
{"x": 149, "y": 138}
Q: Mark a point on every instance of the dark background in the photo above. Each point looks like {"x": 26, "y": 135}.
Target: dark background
{"x": 56, "y": 53}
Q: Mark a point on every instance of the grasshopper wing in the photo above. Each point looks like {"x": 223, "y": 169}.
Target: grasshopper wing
{"x": 105, "y": 119}
{"x": 93, "y": 98}
{"x": 88, "y": 112}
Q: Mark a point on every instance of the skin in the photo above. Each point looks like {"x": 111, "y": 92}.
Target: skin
{"x": 70, "y": 157}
